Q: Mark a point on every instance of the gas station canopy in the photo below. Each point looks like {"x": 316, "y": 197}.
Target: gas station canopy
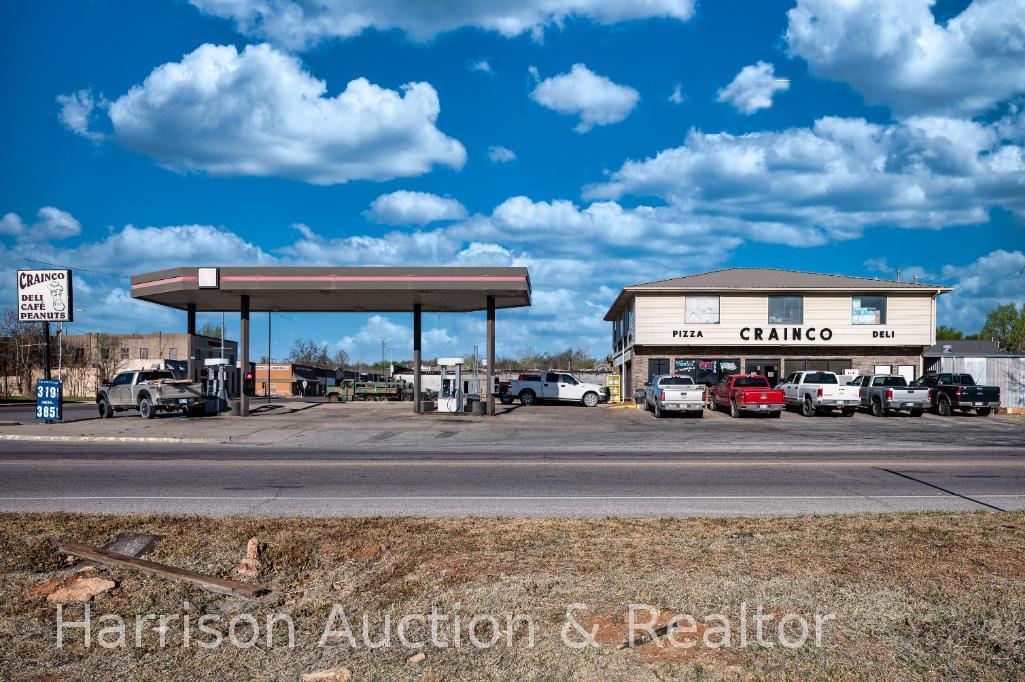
{"x": 317, "y": 289}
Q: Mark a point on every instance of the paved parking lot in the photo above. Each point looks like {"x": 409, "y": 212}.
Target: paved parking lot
{"x": 554, "y": 429}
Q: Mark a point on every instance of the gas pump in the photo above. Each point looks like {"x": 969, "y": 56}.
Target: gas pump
{"x": 450, "y": 399}
{"x": 217, "y": 381}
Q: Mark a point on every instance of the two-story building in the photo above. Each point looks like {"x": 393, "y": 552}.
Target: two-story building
{"x": 770, "y": 322}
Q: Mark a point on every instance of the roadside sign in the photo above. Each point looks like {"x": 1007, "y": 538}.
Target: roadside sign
{"x": 45, "y": 296}
{"x": 49, "y": 395}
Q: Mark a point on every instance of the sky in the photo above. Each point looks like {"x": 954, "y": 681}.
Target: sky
{"x": 600, "y": 143}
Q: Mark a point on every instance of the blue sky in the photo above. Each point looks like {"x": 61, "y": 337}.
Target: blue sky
{"x": 648, "y": 141}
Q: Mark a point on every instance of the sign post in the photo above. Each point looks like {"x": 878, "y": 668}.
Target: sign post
{"x": 46, "y": 296}
{"x": 49, "y": 400}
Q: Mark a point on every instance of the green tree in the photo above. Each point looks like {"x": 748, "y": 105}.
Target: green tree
{"x": 211, "y": 330}
{"x": 1005, "y": 324}
{"x": 945, "y": 333}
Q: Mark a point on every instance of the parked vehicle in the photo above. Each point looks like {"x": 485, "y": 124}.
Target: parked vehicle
{"x": 505, "y": 394}
{"x": 149, "y": 392}
{"x": 739, "y": 393}
{"x": 558, "y": 386}
{"x": 667, "y": 393}
{"x": 819, "y": 393}
{"x": 372, "y": 391}
{"x": 883, "y": 393}
{"x": 959, "y": 392}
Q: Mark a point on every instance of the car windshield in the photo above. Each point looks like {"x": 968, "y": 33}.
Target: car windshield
{"x": 819, "y": 378}
{"x": 751, "y": 382}
{"x": 890, "y": 382}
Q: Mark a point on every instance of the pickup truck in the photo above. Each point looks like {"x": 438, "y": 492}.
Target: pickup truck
{"x": 558, "y": 386}
{"x": 149, "y": 392}
{"x": 881, "y": 393}
{"x": 740, "y": 393}
{"x": 666, "y": 393}
{"x": 958, "y": 392}
{"x": 819, "y": 393}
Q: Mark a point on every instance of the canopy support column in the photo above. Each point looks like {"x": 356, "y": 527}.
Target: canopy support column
{"x": 490, "y": 387}
{"x": 243, "y": 354}
{"x": 190, "y": 351}
{"x": 417, "y": 314}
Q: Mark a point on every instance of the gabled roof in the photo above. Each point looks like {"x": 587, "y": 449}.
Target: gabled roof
{"x": 772, "y": 279}
{"x": 961, "y": 347}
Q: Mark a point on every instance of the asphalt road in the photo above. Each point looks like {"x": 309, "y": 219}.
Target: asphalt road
{"x": 223, "y": 480}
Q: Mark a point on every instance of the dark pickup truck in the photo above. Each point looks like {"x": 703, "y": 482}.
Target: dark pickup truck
{"x": 951, "y": 392}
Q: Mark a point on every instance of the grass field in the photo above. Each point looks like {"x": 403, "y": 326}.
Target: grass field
{"x": 914, "y": 596}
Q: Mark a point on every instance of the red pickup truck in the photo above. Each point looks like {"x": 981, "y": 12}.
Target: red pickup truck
{"x": 746, "y": 393}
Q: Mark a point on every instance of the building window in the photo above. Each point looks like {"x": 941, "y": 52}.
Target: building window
{"x": 124, "y": 353}
{"x": 701, "y": 310}
{"x": 657, "y": 367}
{"x": 786, "y": 309}
{"x": 144, "y": 353}
{"x": 868, "y": 310}
{"x": 172, "y": 353}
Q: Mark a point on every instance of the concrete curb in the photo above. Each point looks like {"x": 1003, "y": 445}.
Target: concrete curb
{"x": 107, "y": 439}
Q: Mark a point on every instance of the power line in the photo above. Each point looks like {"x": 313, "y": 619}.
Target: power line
{"x": 64, "y": 267}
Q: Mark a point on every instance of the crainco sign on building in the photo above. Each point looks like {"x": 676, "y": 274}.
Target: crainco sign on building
{"x": 45, "y": 296}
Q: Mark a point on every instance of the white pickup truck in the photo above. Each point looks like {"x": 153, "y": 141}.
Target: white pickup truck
{"x": 820, "y": 392}
{"x": 666, "y": 393}
{"x": 558, "y": 386}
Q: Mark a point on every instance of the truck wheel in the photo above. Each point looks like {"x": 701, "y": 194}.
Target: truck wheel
{"x": 734, "y": 410}
{"x": 775, "y": 415}
{"x": 848, "y": 413}
{"x": 916, "y": 413}
{"x": 506, "y": 399}
{"x": 590, "y": 399}
{"x": 944, "y": 407}
{"x": 808, "y": 408}
{"x": 877, "y": 408}
{"x": 146, "y": 410}
{"x": 106, "y": 411}
{"x": 711, "y": 405}
{"x": 528, "y": 397}
{"x": 658, "y": 411}
{"x": 983, "y": 411}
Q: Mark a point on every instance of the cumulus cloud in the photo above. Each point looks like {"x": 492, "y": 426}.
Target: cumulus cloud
{"x": 581, "y": 92}
{"x": 76, "y": 113}
{"x": 482, "y": 65}
{"x": 51, "y": 224}
{"x": 676, "y": 96}
{"x": 299, "y": 24}
{"x": 753, "y": 88}
{"x": 500, "y": 154}
{"x": 980, "y": 286}
{"x": 840, "y": 176}
{"x": 896, "y": 54}
{"x": 259, "y": 113}
{"x": 414, "y": 208}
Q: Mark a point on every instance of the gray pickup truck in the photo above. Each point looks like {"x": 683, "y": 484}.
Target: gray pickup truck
{"x": 883, "y": 393}
{"x": 149, "y": 392}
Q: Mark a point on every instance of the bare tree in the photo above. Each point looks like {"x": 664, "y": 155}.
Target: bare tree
{"x": 341, "y": 359}
{"x": 107, "y": 357}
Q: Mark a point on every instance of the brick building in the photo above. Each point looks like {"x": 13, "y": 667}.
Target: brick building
{"x": 770, "y": 322}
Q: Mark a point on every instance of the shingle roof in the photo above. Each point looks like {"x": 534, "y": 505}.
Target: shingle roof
{"x": 962, "y": 347}
{"x": 770, "y": 278}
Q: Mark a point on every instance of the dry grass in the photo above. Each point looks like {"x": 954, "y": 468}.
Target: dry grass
{"x": 919, "y": 595}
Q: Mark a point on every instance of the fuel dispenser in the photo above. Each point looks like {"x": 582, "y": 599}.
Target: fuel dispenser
{"x": 451, "y": 398}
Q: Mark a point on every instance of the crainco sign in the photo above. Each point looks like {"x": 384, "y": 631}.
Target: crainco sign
{"x": 786, "y": 334}
{"x": 45, "y": 296}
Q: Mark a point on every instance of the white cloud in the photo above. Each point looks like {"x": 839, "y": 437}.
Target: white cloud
{"x": 676, "y": 97}
{"x": 896, "y": 54}
{"x": 258, "y": 113}
{"x": 980, "y": 286}
{"x": 482, "y": 65}
{"x": 299, "y": 24}
{"x": 753, "y": 88}
{"x": 77, "y": 111}
{"x": 596, "y": 99}
{"x": 500, "y": 154}
{"x": 52, "y": 224}
{"x": 414, "y": 208}
{"x": 839, "y": 176}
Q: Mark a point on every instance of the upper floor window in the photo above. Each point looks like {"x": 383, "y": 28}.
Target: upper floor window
{"x": 124, "y": 353}
{"x": 786, "y": 309}
{"x": 172, "y": 353}
{"x": 144, "y": 353}
{"x": 868, "y": 310}
{"x": 701, "y": 310}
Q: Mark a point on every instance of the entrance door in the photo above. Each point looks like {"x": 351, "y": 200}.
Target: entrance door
{"x": 766, "y": 368}
{"x": 657, "y": 366}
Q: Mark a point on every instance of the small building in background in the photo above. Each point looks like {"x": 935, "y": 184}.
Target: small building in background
{"x": 288, "y": 380}
{"x": 987, "y": 364}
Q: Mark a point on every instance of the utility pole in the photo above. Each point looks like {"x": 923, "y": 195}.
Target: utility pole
{"x": 46, "y": 351}
{"x": 268, "y": 356}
